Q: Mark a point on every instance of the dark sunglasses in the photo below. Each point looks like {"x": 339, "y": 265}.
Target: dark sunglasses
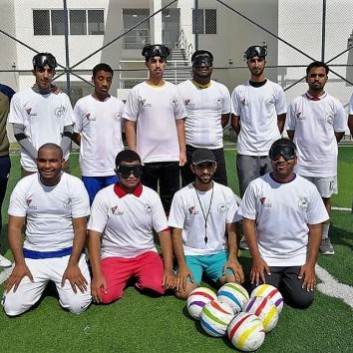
{"x": 45, "y": 59}
{"x": 125, "y": 171}
{"x": 287, "y": 152}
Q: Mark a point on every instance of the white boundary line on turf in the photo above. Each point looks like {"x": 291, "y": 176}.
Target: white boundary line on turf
{"x": 331, "y": 287}
{"x": 341, "y": 209}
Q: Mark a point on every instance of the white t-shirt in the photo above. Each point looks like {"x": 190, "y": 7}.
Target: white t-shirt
{"x": 205, "y": 107}
{"x": 315, "y": 123}
{"x": 49, "y": 210}
{"x": 282, "y": 213}
{"x": 186, "y": 213}
{"x": 155, "y": 109}
{"x": 99, "y": 124}
{"x": 258, "y": 108}
{"x": 127, "y": 221}
{"x": 44, "y": 118}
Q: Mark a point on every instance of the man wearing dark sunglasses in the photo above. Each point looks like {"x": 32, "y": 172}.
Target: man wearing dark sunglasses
{"x": 121, "y": 239}
{"x": 207, "y": 103}
{"x": 282, "y": 222}
{"x": 41, "y": 114}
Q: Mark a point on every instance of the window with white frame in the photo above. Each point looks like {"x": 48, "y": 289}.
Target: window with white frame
{"x": 81, "y": 22}
{"x": 204, "y": 21}
{"x": 140, "y": 35}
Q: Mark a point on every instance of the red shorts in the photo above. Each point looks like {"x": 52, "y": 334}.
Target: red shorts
{"x": 147, "y": 268}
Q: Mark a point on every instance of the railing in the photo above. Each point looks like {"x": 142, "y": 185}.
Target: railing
{"x": 184, "y": 44}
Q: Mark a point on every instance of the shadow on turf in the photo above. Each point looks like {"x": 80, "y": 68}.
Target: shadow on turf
{"x": 340, "y": 236}
{"x": 4, "y": 241}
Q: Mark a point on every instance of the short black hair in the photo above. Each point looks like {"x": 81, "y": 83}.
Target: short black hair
{"x": 126, "y": 156}
{"x": 102, "y": 67}
{"x": 317, "y": 64}
{"x": 52, "y": 146}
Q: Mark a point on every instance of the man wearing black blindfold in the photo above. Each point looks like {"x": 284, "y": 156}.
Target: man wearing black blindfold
{"x": 207, "y": 103}
{"x": 121, "y": 241}
{"x": 282, "y": 222}
{"x": 39, "y": 115}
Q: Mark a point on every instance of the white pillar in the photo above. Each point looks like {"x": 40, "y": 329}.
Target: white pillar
{"x": 156, "y": 22}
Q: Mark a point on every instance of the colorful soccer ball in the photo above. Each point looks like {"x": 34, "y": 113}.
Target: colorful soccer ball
{"x": 265, "y": 310}
{"x": 233, "y": 294}
{"x": 246, "y": 332}
{"x": 215, "y": 318}
{"x": 271, "y": 292}
{"x": 197, "y": 300}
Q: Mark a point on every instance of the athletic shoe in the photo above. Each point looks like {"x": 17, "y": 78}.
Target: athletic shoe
{"x": 326, "y": 247}
{"x": 4, "y": 262}
{"x": 243, "y": 244}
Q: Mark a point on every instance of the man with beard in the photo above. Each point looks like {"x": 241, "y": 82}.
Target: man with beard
{"x": 203, "y": 216}
{"x": 282, "y": 220}
{"x": 258, "y": 114}
{"x": 207, "y": 103}
{"x": 154, "y": 124}
{"x": 316, "y": 123}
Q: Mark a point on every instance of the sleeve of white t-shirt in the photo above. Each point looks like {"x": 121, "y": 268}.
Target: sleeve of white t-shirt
{"x": 80, "y": 198}
{"x": 131, "y": 109}
{"x": 99, "y": 213}
{"x": 159, "y": 219}
{"x": 291, "y": 117}
{"x": 177, "y": 212}
{"x": 235, "y": 102}
{"x": 340, "y": 118}
{"x": 316, "y": 212}
{"x": 18, "y": 206}
{"x": 232, "y": 207}
{"x": 69, "y": 113}
{"x": 17, "y": 114}
{"x": 179, "y": 107}
{"x": 226, "y": 100}
{"x": 350, "y": 107}
{"x": 78, "y": 117}
{"x": 247, "y": 208}
{"x": 280, "y": 100}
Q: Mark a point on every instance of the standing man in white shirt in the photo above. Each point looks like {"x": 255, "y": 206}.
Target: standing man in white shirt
{"x": 53, "y": 207}
{"x": 154, "y": 126}
{"x": 207, "y": 103}
{"x": 121, "y": 239}
{"x": 98, "y": 132}
{"x": 202, "y": 217}
{"x": 41, "y": 116}
{"x": 282, "y": 221}
{"x": 258, "y": 115}
{"x": 316, "y": 123}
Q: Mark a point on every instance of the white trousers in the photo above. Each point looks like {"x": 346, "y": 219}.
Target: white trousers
{"x": 43, "y": 271}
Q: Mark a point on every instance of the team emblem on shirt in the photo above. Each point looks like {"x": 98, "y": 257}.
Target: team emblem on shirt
{"x": 265, "y": 202}
{"x": 244, "y": 102}
{"x": 148, "y": 208}
{"x": 31, "y": 207}
{"x": 116, "y": 211}
{"x": 173, "y": 101}
{"x": 218, "y": 101}
{"x": 90, "y": 117}
{"x": 142, "y": 102}
{"x": 300, "y": 116}
{"x": 187, "y": 101}
{"x": 59, "y": 112}
{"x": 221, "y": 208}
{"x": 193, "y": 211}
{"x": 303, "y": 204}
{"x": 30, "y": 113}
{"x": 68, "y": 203}
{"x": 329, "y": 118}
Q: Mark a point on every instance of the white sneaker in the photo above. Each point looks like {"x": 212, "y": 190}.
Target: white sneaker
{"x": 326, "y": 247}
{"x": 4, "y": 262}
{"x": 243, "y": 244}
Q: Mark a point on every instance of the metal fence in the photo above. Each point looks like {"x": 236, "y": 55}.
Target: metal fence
{"x": 81, "y": 34}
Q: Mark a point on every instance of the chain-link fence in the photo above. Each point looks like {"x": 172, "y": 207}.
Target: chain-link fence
{"x": 81, "y": 34}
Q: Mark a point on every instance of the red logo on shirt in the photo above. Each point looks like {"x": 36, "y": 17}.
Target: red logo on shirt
{"x": 192, "y": 210}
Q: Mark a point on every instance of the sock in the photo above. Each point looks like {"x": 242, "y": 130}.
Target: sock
{"x": 325, "y": 228}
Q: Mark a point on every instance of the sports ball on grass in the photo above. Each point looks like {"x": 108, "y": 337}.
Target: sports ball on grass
{"x": 265, "y": 310}
{"x": 215, "y": 318}
{"x": 197, "y": 300}
{"x": 271, "y": 292}
{"x": 233, "y": 294}
{"x": 246, "y": 332}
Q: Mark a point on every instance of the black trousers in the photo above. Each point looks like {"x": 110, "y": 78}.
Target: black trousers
{"x": 165, "y": 177}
